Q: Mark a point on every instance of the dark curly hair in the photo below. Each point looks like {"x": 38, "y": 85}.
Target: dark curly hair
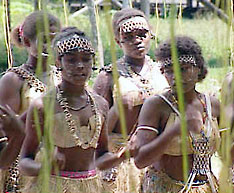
{"x": 125, "y": 14}
{"x": 185, "y": 46}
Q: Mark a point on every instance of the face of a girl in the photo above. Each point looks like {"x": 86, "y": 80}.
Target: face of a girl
{"x": 136, "y": 43}
{"x": 189, "y": 76}
{"x": 41, "y": 43}
{"x": 76, "y": 67}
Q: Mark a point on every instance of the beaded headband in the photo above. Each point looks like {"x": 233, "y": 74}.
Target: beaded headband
{"x": 74, "y": 43}
{"x": 134, "y": 23}
{"x": 182, "y": 59}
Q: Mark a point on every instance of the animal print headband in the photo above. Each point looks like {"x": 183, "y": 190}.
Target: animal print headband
{"x": 134, "y": 23}
{"x": 182, "y": 59}
{"x": 74, "y": 43}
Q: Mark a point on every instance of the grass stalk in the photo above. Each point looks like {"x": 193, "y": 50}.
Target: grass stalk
{"x": 116, "y": 75}
{"x": 180, "y": 94}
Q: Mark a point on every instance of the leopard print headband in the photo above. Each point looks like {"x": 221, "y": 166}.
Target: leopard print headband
{"x": 134, "y": 23}
{"x": 182, "y": 59}
{"x": 74, "y": 43}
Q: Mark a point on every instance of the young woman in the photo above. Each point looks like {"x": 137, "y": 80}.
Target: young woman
{"x": 25, "y": 85}
{"x": 157, "y": 142}
{"x": 78, "y": 123}
{"x": 139, "y": 76}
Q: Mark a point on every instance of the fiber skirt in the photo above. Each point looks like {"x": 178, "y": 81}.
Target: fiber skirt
{"x": 159, "y": 182}
{"x": 125, "y": 178}
{"x": 67, "y": 182}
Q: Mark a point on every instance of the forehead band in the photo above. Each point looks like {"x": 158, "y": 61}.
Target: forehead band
{"x": 74, "y": 43}
{"x": 182, "y": 59}
{"x": 134, "y": 23}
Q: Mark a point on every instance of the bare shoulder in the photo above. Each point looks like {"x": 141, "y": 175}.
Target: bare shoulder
{"x": 152, "y": 109}
{"x": 101, "y": 102}
{"x": 154, "y": 102}
{"x": 103, "y": 80}
{"x": 103, "y": 76}
{"x": 10, "y": 78}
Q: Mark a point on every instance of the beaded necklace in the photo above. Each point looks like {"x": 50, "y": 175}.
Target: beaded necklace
{"x": 72, "y": 127}
{"x": 141, "y": 82}
{"x": 78, "y": 108}
{"x": 202, "y": 153}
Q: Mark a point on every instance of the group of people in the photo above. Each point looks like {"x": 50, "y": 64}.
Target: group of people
{"x": 53, "y": 122}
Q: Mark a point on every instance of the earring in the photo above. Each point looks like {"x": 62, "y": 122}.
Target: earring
{"x": 59, "y": 69}
{"x": 94, "y": 64}
{"x": 94, "y": 68}
{"x": 152, "y": 36}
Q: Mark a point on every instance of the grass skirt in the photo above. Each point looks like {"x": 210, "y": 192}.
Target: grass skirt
{"x": 159, "y": 182}
{"x": 58, "y": 184}
{"x": 126, "y": 177}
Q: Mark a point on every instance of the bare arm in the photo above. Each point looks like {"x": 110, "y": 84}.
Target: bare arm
{"x": 28, "y": 166}
{"x": 112, "y": 119}
{"x": 15, "y": 136}
{"x": 103, "y": 86}
{"x": 10, "y": 86}
{"x": 106, "y": 159}
{"x": 148, "y": 146}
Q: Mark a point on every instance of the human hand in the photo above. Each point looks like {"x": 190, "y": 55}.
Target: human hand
{"x": 10, "y": 123}
{"x": 58, "y": 160}
{"x": 133, "y": 146}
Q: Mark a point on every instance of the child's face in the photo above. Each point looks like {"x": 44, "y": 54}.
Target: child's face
{"x": 136, "y": 42}
{"x": 76, "y": 67}
{"x": 189, "y": 76}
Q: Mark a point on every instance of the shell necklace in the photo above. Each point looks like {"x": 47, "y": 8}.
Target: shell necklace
{"x": 75, "y": 130}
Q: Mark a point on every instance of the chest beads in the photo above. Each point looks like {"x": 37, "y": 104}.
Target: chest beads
{"x": 91, "y": 136}
{"x": 141, "y": 82}
{"x": 201, "y": 157}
